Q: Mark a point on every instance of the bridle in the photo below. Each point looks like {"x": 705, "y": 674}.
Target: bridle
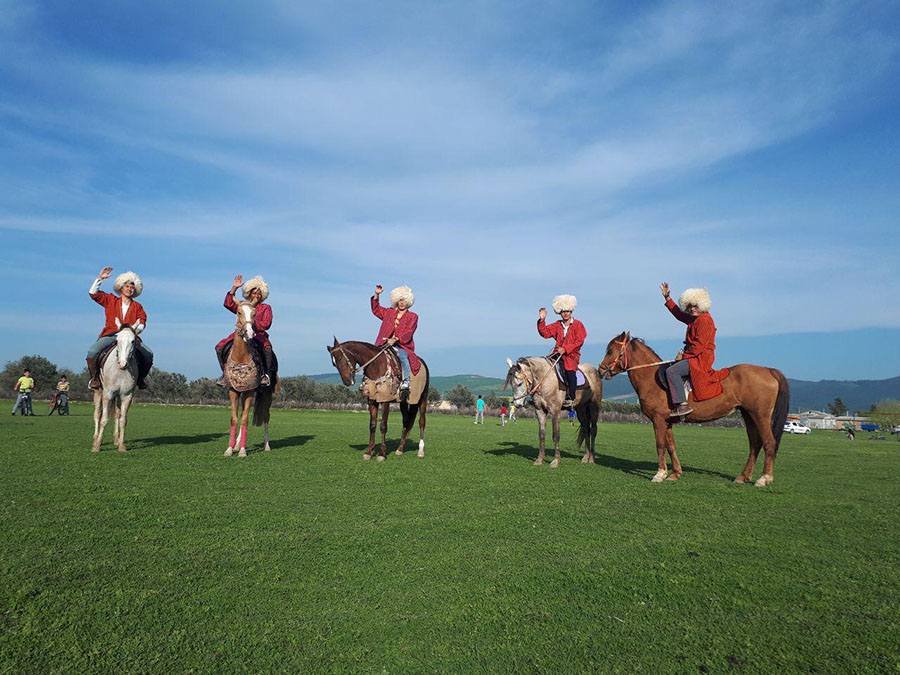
{"x": 354, "y": 368}
{"x": 623, "y": 357}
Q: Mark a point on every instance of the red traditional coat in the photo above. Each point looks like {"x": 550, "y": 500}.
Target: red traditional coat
{"x": 262, "y": 321}
{"x": 700, "y": 348}
{"x": 571, "y": 343}
{"x": 112, "y": 306}
{"x": 404, "y": 331}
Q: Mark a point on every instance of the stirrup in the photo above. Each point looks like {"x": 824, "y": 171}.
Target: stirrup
{"x": 95, "y": 383}
{"x": 681, "y": 410}
{"x": 265, "y": 381}
{"x": 221, "y": 381}
{"x": 404, "y": 384}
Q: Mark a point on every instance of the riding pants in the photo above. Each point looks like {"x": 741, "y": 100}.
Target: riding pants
{"x": 676, "y": 375}
{"x": 571, "y": 383}
{"x": 404, "y": 362}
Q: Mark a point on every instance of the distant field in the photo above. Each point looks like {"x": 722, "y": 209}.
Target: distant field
{"x": 172, "y": 558}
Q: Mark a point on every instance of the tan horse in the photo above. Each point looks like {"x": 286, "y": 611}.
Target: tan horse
{"x": 242, "y": 377}
{"x": 535, "y": 375}
{"x": 760, "y": 394}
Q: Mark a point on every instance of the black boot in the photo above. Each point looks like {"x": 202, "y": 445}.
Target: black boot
{"x": 93, "y": 373}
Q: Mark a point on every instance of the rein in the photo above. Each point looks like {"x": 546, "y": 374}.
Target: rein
{"x": 623, "y": 355}
{"x": 541, "y": 381}
{"x": 355, "y": 369}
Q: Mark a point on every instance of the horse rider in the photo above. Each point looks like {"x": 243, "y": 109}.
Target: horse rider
{"x": 569, "y": 334}
{"x": 398, "y": 326}
{"x": 695, "y": 361}
{"x": 255, "y": 291}
{"x": 120, "y": 309}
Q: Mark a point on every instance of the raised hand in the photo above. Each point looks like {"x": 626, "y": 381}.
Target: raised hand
{"x": 378, "y": 289}
{"x": 542, "y": 313}
{"x": 105, "y": 273}
{"x": 238, "y": 281}
{"x": 664, "y": 289}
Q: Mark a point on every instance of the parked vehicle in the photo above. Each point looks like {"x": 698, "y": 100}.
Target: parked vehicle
{"x": 794, "y": 427}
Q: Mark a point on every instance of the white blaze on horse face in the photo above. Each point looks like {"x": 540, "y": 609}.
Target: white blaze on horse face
{"x": 124, "y": 347}
{"x": 248, "y": 324}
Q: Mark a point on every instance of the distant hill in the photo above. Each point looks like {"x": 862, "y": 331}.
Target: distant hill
{"x": 857, "y": 395}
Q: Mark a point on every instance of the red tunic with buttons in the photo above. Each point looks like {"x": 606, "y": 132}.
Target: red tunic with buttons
{"x": 262, "y": 321}
{"x": 112, "y": 305}
{"x": 700, "y": 348}
{"x": 570, "y": 340}
{"x": 403, "y": 331}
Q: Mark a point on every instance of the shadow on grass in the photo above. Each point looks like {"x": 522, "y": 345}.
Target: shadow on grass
{"x": 648, "y": 469}
{"x": 290, "y": 441}
{"x": 156, "y": 441}
{"x": 529, "y": 452}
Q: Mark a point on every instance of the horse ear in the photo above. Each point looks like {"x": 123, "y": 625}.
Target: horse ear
{"x": 328, "y": 349}
{"x": 627, "y": 334}
{"x": 336, "y": 343}
{"x": 509, "y": 362}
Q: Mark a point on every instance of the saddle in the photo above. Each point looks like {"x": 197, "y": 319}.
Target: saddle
{"x": 387, "y": 387}
{"x": 246, "y": 376}
{"x": 580, "y": 379}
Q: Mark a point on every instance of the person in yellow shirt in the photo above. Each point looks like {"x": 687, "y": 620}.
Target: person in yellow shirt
{"x": 24, "y": 386}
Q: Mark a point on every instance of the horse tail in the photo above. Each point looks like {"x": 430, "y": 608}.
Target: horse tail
{"x": 782, "y": 405}
{"x": 262, "y": 404}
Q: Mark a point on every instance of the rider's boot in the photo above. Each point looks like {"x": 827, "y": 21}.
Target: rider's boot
{"x": 681, "y": 410}
{"x": 266, "y": 380}
{"x": 220, "y": 354}
{"x": 93, "y": 373}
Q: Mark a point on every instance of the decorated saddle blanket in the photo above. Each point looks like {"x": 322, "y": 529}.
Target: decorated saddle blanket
{"x": 246, "y": 376}
{"x": 111, "y": 349}
{"x": 580, "y": 379}
{"x": 387, "y": 387}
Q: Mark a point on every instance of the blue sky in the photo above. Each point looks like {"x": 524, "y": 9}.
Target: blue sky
{"x": 490, "y": 155}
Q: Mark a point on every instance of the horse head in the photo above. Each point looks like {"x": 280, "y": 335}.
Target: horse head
{"x": 615, "y": 360}
{"x": 341, "y": 360}
{"x": 519, "y": 379}
{"x": 125, "y": 338}
{"x": 246, "y": 312}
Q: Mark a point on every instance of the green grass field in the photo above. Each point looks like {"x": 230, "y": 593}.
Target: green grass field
{"x": 173, "y": 558}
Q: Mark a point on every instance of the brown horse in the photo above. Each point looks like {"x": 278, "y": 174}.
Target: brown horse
{"x": 348, "y": 358}
{"x": 760, "y": 394}
{"x": 242, "y": 377}
{"x": 536, "y": 375}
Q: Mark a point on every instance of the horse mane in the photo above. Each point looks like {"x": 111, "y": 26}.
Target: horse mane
{"x": 642, "y": 343}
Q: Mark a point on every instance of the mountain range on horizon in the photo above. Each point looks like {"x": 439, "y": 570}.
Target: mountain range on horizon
{"x": 857, "y": 395}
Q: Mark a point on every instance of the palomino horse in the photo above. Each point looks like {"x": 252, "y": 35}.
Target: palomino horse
{"x": 348, "y": 358}
{"x": 536, "y": 374}
{"x": 760, "y": 394}
{"x": 118, "y": 379}
{"x": 242, "y": 377}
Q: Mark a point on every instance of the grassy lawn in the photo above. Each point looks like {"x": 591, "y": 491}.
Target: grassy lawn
{"x": 173, "y": 558}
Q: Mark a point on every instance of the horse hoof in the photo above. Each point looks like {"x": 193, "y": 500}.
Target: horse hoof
{"x": 538, "y": 462}
{"x": 554, "y": 464}
{"x": 764, "y": 480}
{"x": 659, "y": 477}
{"x": 740, "y": 479}
{"x": 399, "y": 452}
{"x": 673, "y": 476}
{"x": 229, "y": 452}
{"x": 267, "y": 448}
{"x": 367, "y": 456}
{"x": 123, "y": 449}
{"x": 242, "y": 453}
{"x": 421, "y": 453}
{"x": 380, "y": 458}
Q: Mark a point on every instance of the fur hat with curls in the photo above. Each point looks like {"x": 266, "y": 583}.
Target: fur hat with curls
{"x": 402, "y": 293}
{"x": 126, "y": 277}
{"x": 695, "y": 296}
{"x": 256, "y": 282}
{"x": 564, "y": 303}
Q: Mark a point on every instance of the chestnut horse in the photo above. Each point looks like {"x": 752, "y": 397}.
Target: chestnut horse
{"x": 348, "y": 357}
{"x": 760, "y": 394}
{"x": 242, "y": 377}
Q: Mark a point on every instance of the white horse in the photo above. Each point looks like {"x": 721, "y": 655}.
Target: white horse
{"x": 118, "y": 380}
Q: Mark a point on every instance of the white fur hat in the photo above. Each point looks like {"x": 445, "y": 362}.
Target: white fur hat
{"x": 124, "y": 278}
{"x": 402, "y": 293}
{"x": 695, "y": 296}
{"x": 563, "y": 303}
{"x": 256, "y": 282}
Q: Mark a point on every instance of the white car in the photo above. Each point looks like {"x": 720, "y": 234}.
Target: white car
{"x": 793, "y": 427}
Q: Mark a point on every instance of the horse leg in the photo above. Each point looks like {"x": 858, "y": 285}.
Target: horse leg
{"x": 542, "y": 434}
{"x": 768, "y": 444}
{"x": 422, "y": 425}
{"x": 407, "y": 425}
{"x": 373, "y": 423}
{"x": 592, "y": 432}
{"x": 246, "y": 400}
{"x": 104, "y": 418}
{"x": 673, "y": 453}
{"x": 385, "y": 411}
{"x": 755, "y": 441}
{"x": 266, "y": 436}
{"x": 232, "y": 435}
{"x": 98, "y": 405}
{"x": 124, "y": 405}
{"x": 659, "y": 430}
{"x": 555, "y": 462}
